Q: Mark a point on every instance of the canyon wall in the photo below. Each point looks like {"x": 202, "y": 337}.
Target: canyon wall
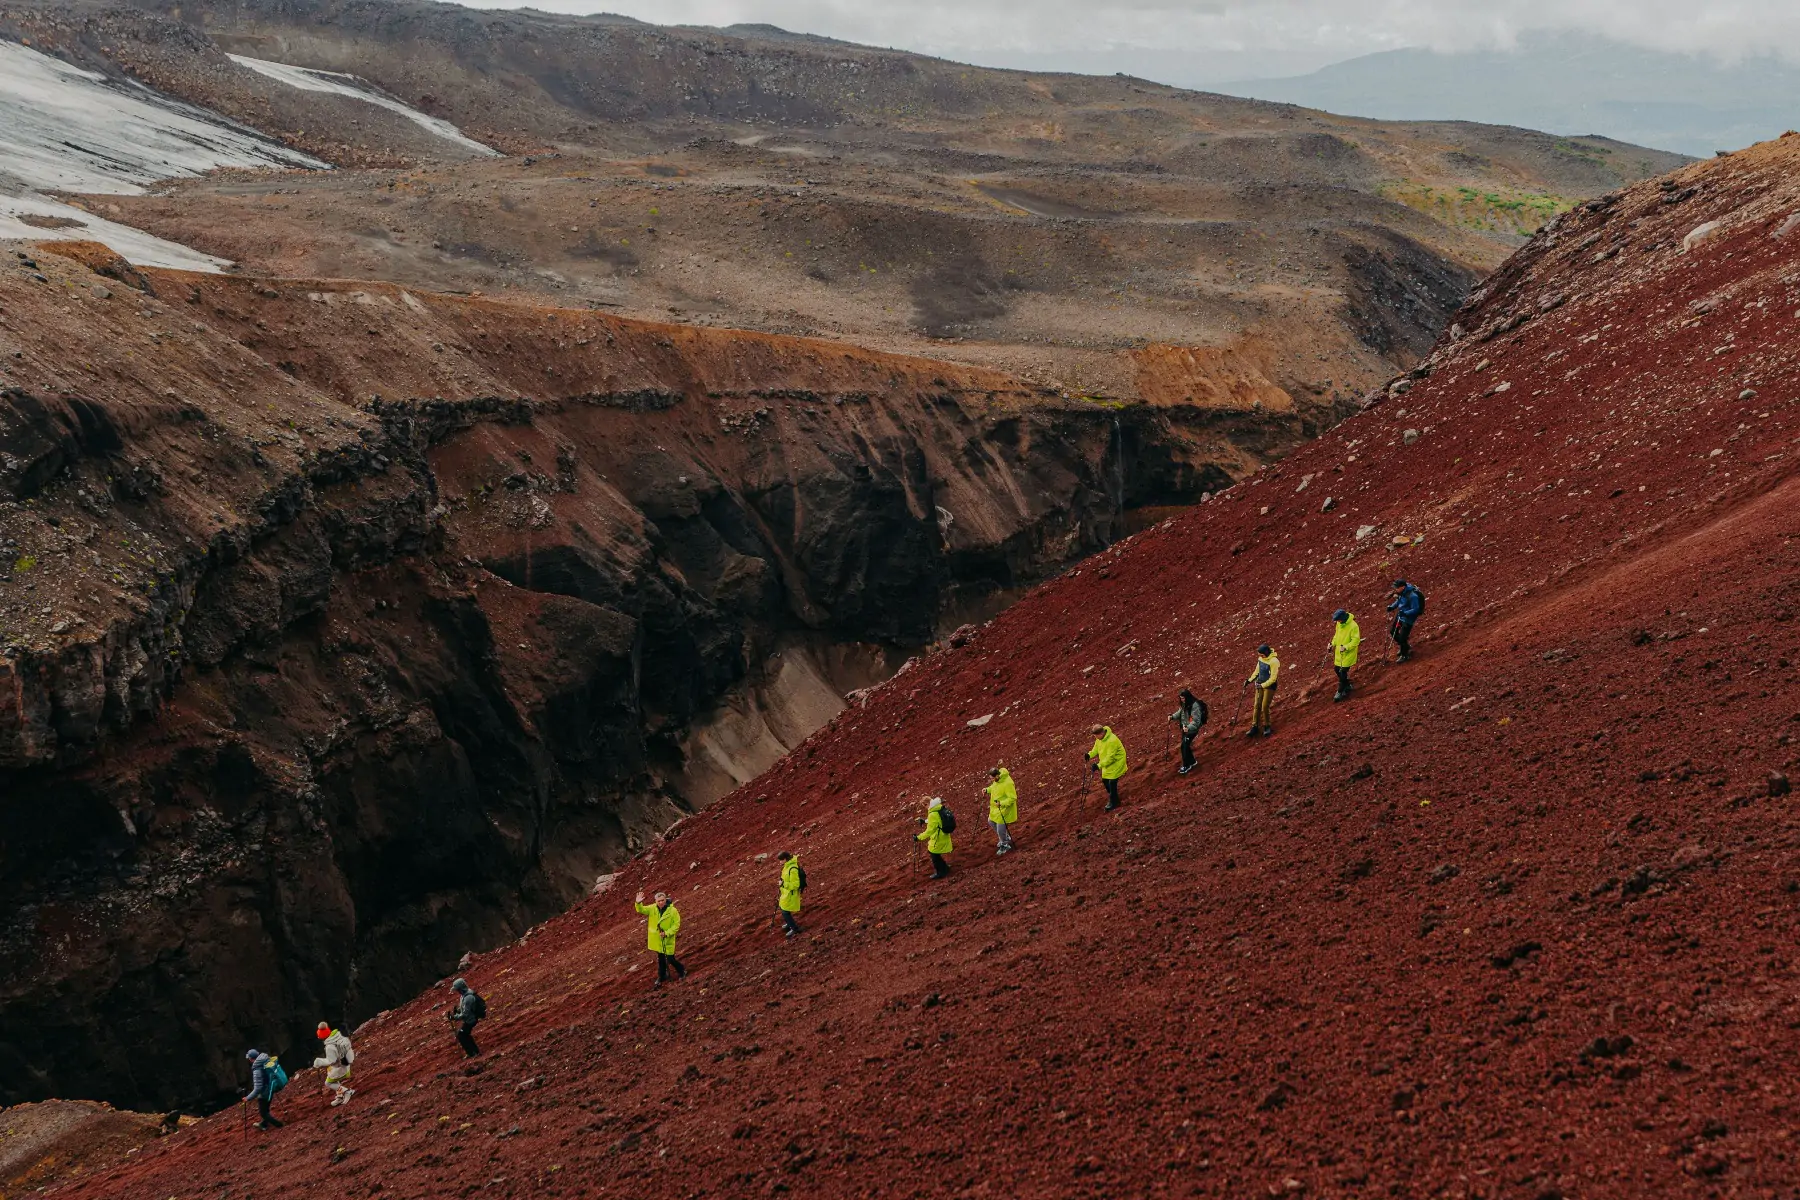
{"x": 349, "y": 629}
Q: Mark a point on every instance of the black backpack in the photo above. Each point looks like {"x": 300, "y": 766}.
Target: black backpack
{"x": 477, "y": 1006}
{"x": 802, "y": 871}
{"x": 1204, "y": 714}
{"x": 946, "y": 819}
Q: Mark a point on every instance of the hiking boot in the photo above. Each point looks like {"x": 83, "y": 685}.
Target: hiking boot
{"x": 1110, "y": 805}
{"x": 1268, "y": 731}
{"x": 1339, "y": 697}
{"x": 1183, "y": 770}
{"x": 792, "y": 932}
{"x": 940, "y": 874}
{"x": 1254, "y": 732}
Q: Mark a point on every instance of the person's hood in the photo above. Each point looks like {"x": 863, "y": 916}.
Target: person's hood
{"x": 1004, "y": 774}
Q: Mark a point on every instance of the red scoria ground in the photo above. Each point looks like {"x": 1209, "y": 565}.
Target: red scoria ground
{"x": 1517, "y": 921}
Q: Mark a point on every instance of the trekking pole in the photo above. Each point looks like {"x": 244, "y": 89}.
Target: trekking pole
{"x": 244, "y": 1125}
{"x": 1235, "y": 712}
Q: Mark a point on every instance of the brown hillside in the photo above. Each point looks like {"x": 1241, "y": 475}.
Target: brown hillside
{"x": 1044, "y": 225}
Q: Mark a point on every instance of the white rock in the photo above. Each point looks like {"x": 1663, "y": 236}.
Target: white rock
{"x": 978, "y": 722}
{"x": 1363, "y": 531}
{"x": 1700, "y": 233}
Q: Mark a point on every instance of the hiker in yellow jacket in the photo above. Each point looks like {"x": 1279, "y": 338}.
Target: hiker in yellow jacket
{"x": 665, "y": 922}
{"x": 1003, "y": 807}
{"x": 1268, "y": 670}
{"x": 937, "y": 838}
{"x": 1345, "y": 640}
{"x": 1109, "y": 759}
{"x": 793, "y": 882}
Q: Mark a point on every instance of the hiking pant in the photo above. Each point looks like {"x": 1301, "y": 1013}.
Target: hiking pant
{"x": 1112, "y": 792}
{"x": 939, "y": 868}
{"x": 1403, "y": 636}
{"x": 1187, "y": 750}
{"x": 1265, "y": 700}
{"x": 664, "y": 962}
{"x": 465, "y": 1037}
{"x": 788, "y": 922}
{"x": 262, "y": 1106}
{"x": 1343, "y": 674}
{"x": 1001, "y": 835}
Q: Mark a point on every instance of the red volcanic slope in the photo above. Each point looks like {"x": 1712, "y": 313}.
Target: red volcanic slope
{"x": 1517, "y": 921}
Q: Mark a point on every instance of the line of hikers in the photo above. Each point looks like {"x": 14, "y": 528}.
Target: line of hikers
{"x": 268, "y": 1076}
{"x": 1106, "y": 758}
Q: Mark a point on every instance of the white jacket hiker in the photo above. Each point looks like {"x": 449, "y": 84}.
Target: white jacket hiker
{"x": 336, "y": 1061}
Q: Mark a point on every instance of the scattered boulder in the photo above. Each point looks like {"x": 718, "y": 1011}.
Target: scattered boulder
{"x": 1778, "y": 784}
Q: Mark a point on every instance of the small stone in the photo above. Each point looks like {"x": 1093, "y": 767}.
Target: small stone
{"x": 1747, "y": 394}
{"x": 101, "y": 291}
{"x": 1778, "y": 784}
{"x": 1275, "y": 1098}
{"x": 1364, "y": 531}
{"x": 1328, "y": 505}
{"x": 978, "y": 722}
{"x": 1444, "y": 873}
{"x": 1410, "y": 436}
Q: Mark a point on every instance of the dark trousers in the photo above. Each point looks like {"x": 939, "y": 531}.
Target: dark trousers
{"x": 664, "y": 962}
{"x": 1112, "y": 792}
{"x": 262, "y": 1106}
{"x": 787, "y": 921}
{"x": 939, "y": 868}
{"x": 465, "y": 1037}
{"x": 1403, "y": 637}
{"x": 1343, "y": 674}
{"x": 1187, "y": 749}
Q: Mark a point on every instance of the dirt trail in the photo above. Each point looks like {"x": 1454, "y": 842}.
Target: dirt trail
{"x": 1517, "y": 921}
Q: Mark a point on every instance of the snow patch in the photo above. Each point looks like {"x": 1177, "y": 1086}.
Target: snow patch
{"x": 308, "y": 79}
{"x": 65, "y": 222}
{"x": 71, "y": 130}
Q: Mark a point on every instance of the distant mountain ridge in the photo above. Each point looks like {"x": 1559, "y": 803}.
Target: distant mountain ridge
{"x": 1569, "y": 85}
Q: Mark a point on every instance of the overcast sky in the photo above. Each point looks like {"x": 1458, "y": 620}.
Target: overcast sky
{"x": 1295, "y": 34}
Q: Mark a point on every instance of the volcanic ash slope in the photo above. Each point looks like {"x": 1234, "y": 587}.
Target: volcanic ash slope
{"x": 1518, "y": 920}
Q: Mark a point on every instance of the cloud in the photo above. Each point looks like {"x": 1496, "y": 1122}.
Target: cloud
{"x": 1727, "y": 29}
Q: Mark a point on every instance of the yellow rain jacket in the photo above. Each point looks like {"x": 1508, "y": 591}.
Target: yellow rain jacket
{"x": 1268, "y": 670}
{"x": 934, "y": 837}
{"x": 790, "y": 886}
{"x": 664, "y": 925}
{"x": 1344, "y": 641}
{"x": 1003, "y": 799}
{"x": 1109, "y": 751}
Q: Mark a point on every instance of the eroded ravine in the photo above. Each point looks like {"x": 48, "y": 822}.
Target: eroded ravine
{"x": 349, "y": 629}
